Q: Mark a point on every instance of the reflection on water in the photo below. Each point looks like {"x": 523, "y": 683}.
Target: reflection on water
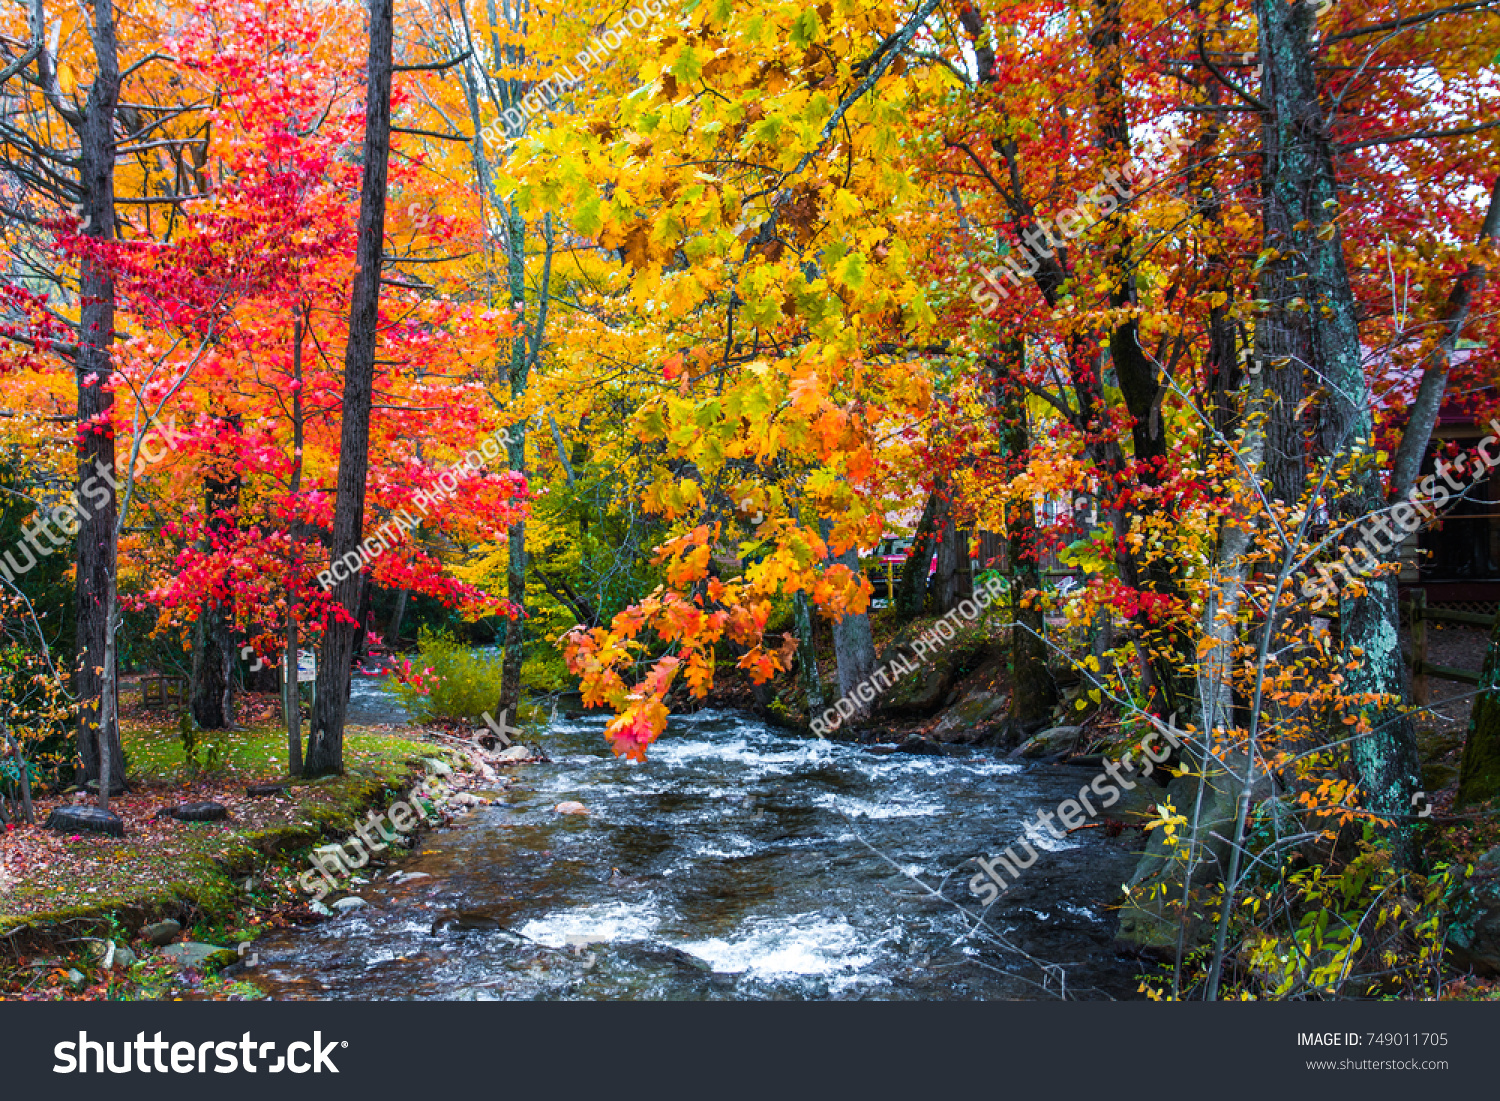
{"x": 730, "y": 865}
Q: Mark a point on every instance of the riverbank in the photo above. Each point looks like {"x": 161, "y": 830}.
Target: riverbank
{"x": 75, "y": 908}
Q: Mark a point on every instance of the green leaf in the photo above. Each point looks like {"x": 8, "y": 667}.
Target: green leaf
{"x": 851, "y": 271}
{"x": 805, "y": 29}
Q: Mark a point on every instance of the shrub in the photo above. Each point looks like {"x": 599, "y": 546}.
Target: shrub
{"x": 447, "y": 680}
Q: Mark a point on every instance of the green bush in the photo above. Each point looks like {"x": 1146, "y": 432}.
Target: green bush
{"x": 447, "y": 680}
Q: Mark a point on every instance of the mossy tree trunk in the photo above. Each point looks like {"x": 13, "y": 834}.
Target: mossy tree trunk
{"x": 1479, "y": 774}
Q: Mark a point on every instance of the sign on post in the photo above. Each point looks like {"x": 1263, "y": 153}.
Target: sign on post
{"x": 307, "y": 669}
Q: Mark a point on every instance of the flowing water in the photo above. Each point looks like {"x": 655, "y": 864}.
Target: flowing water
{"x": 736, "y": 863}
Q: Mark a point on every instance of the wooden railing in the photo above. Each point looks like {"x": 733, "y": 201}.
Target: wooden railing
{"x": 1420, "y": 615}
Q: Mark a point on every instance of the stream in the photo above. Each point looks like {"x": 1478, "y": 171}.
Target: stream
{"x": 737, "y": 863}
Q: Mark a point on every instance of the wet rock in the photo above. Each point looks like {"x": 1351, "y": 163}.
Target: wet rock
{"x": 331, "y": 857}
{"x": 107, "y": 954}
{"x": 350, "y": 904}
{"x": 436, "y": 767}
{"x": 649, "y": 954}
{"x": 919, "y": 694}
{"x": 481, "y": 919}
{"x": 85, "y": 819}
{"x": 317, "y": 907}
{"x": 408, "y": 877}
{"x": 1050, "y": 743}
{"x": 199, "y": 812}
{"x": 571, "y": 807}
{"x": 194, "y": 953}
{"x": 514, "y": 755}
{"x": 969, "y": 721}
{"x": 161, "y": 933}
{"x": 1152, "y": 916}
{"x": 923, "y": 747}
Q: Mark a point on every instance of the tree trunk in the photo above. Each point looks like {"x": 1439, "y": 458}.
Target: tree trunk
{"x": 362, "y": 618}
{"x": 1479, "y": 775}
{"x": 853, "y": 640}
{"x": 213, "y": 670}
{"x": 291, "y": 688}
{"x": 515, "y": 571}
{"x": 1033, "y": 693}
{"x": 96, "y": 449}
{"x": 393, "y": 631}
{"x": 291, "y": 702}
{"x": 1300, "y": 193}
{"x": 952, "y": 557}
{"x": 807, "y": 657}
{"x": 325, "y": 748}
{"x": 211, "y": 696}
{"x": 911, "y": 590}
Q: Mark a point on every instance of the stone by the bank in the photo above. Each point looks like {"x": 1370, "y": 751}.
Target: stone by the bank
{"x": 161, "y": 933}
{"x": 346, "y": 905}
{"x": 1050, "y": 743}
{"x": 968, "y": 720}
{"x": 199, "y": 812}
{"x": 436, "y": 767}
{"x": 194, "y": 953}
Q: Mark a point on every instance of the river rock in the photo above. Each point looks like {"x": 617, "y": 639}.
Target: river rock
{"x": 192, "y": 953}
{"x": 1152, "y": 916}
{"x": 484, "y": 919}
{"x": 436, "y": 767}
{"x": 161, "y": 933}
{"x": 106, "y": 953}
{"x": 350, "y": 904}
{"x": 571, "y": 807}
{"x": 1050, "y": 743}
{"x": 967, "y": 722}
{"x": 514, "y": 755}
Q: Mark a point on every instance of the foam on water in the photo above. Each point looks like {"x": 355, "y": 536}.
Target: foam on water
{"x": 799, "y": 944}
{"x": 896, "y": 807}
{"x": 615, "y": 921}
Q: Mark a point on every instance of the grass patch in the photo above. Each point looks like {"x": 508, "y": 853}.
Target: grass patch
{"x": 88, "y": 882}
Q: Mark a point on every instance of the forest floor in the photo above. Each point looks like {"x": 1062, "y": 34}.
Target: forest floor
{"x": 63, "y": 895}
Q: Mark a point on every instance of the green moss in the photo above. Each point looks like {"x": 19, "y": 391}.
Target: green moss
{"x": 195, "y": 876}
